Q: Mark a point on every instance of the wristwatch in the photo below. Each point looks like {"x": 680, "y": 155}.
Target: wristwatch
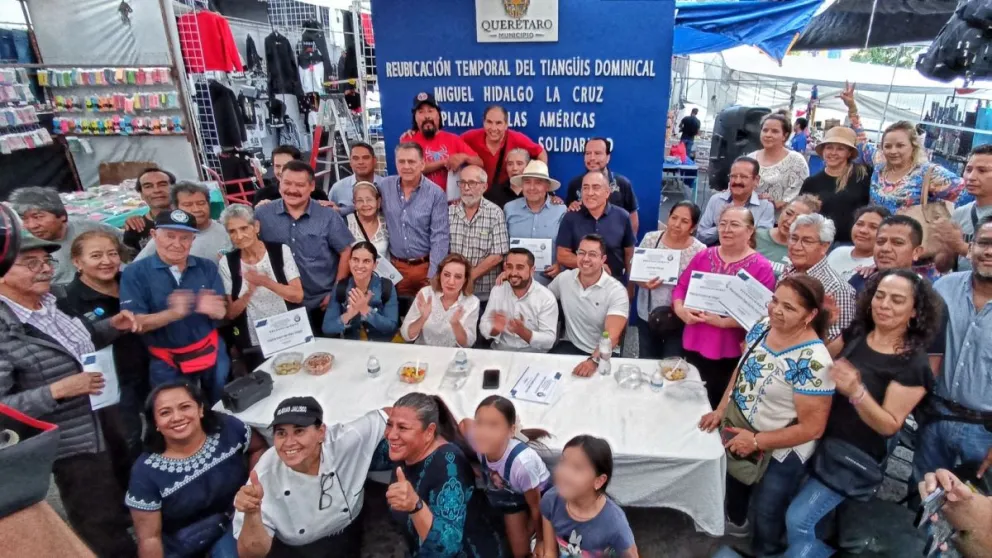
{"x": 418, "y": 507}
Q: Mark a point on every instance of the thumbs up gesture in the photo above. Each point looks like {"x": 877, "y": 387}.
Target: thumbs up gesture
{"x": 249, "y": 497}
{"x": 401, "y": 495}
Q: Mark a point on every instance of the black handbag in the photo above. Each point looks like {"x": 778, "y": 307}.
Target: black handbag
{"x": 195, "y": 540}
{"x": 844, "y": 467}
{"x": 246, "y": 391}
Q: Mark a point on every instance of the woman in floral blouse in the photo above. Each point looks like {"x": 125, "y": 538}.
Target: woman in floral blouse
{"x": 901, "y": 167}
{"x": 783, "y": 390}
{"x": 782, "y": 170}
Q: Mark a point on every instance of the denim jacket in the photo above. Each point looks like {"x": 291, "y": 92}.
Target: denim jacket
{"x": 380, "y": 324}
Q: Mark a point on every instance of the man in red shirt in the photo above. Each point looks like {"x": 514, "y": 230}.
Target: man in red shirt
{"x": 494, "y": 141}
{"x": 443, "y": 151}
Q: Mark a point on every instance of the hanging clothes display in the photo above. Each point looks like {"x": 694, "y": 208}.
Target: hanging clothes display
{"x": 227, "y": 115}
{"x": 254, "y": 61}
{"x": 314, "y": 52}
{"x": 217, "y": 49}
{"x": 284, "y": 76}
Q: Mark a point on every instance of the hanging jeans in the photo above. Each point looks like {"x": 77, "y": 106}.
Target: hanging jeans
{"x": 15, "y": 47}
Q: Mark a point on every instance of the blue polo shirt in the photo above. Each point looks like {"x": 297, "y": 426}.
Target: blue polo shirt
{"x": 613, "y": 225}
{"x": 966, "y": 377}
{"x": 145, "y": 288}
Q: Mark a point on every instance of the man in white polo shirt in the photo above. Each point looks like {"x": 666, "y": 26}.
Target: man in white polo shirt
{"x": 522, "y": 314}
{"x": 593, "y": 302}
{"x": 305, "y": 494}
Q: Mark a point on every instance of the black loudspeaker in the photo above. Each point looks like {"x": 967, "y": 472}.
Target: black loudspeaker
{"x": 736, "y": 132}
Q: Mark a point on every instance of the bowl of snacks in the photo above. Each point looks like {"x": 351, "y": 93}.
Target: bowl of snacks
{"x": 674, "y": 369}
{"x": 413, "y": 372}
{"x": 318, "y": 364}
{"x": 287, "y": 363}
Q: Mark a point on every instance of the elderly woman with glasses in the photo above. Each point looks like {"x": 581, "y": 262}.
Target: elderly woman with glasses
{"x": 366, "y": 222}
{"x": 41, "y": 375}
{"x": 261, "y": 278}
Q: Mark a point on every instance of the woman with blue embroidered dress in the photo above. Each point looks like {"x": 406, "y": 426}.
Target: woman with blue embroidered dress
{"x": 432, "y": 495}
{"x": 774, "y": 410}
{"x": 901, "y": 167}
{"x": 182, "y": 489}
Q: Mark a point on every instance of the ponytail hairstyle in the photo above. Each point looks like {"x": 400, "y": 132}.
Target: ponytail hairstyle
{"x": 598, "y": 452}
{"x": 431, "y": 409}
{"x": 509, "y": 412}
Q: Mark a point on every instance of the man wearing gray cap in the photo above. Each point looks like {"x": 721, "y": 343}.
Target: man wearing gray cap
{"x": 304, "y": 497}
{"x": 43, "y": 214}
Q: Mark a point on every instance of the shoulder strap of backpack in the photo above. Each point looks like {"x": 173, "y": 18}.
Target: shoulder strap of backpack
{"x": 517, "y": 450}
{"x": 341, "y": 292}
{"x": 234, "y": 264}
{"x": 278, "y": 264}
{"x": 387, "y": 289}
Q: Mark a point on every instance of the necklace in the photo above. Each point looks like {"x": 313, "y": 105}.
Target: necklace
{"x": 579, "y": 516}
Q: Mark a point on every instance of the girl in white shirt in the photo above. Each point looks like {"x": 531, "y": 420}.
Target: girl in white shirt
{"x": 846, "y": 260}
{"x": 514, "y": 474}
{"x": 446, "y": 313}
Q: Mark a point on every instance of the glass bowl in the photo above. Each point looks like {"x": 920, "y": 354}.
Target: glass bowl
{"x": 318, "y": 364}
{"x": 674, "y": 369}
{"x": 412, "y": 372}
{"x": 629, "y": 376}
{"x": 286, "y": 364}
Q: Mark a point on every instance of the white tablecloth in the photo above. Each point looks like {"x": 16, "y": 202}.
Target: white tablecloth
{"x": 661, "y": 458}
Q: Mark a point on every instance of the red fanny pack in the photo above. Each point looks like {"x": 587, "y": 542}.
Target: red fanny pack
{"x": 193, "y": 358}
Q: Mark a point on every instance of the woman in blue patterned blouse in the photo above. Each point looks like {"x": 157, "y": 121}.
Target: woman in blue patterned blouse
{"x": 432, "y": 495}
{"x": 901, "y": 167}
{"x": 182, "y": 488}
{"x": 781, "y": 391}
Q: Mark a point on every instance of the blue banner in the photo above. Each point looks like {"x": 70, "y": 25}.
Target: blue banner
{"x": 608, "y": 74}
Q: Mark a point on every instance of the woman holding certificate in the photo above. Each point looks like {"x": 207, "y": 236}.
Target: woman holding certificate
{"x": 659, "y": 332}
{"x": 711, "y": 340}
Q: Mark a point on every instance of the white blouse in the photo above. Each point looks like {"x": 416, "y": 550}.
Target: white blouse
{"x": 380, "y": 239}
{"x": 437, "y": 330}
{"x": 783, "y": 180}
{"x": 662, "y": 295}
{"x": 264, "y": 303}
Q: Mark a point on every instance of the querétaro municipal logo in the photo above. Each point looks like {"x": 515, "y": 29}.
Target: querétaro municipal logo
{"x": 516, "y": 8}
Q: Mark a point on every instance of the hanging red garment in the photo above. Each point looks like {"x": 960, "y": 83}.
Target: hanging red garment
{"x": 207, "y": 43}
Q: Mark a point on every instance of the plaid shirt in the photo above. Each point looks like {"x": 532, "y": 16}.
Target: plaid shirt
{"x": 68, "y": 332}
{"x": 834, "y": 286}
{"x": 485, "y": 235}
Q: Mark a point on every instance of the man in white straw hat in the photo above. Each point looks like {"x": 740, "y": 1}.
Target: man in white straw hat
{"x": 532, "y": 221}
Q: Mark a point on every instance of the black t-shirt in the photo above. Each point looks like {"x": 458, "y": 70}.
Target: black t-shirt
{"x": 877, "y": 372}
{"x": 690, "y": 127}
{"x": 621, "y": 195}
{"x": 136, "y": 240}
{"x": 130, "y": 355}
{"x": 502, "y": 194}
{"x": 271, "y": 192}
{"x": 839, "y": 206}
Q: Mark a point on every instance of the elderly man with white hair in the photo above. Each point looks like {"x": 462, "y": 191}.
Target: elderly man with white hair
{"x": 478, "y": 230}
{"x": 211, "y": 241}
{"x": 43, "y": 214}
{"x": 810, "y": 238}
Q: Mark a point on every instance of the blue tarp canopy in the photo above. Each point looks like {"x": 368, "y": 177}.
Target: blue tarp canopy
{"x": 771, "y": 25}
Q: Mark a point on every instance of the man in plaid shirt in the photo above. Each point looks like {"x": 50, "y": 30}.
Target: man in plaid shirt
{"x": 809, "y": 240}
{"x": 478, "y": 231}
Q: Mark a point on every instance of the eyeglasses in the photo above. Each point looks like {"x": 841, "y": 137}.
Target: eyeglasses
{"x": 469, "y": 183}
{"x": 804, "y": 242}
{"x": 326, "y": 483}
{"x": 35, "y": 265}
{"x": 583, "y": 253}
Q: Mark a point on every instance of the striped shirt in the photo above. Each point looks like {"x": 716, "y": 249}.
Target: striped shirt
{"x": 834, "y": 286}
{"x": 317, "y": 240}
{"x": 417, "y": 226}
{"x": 68, "y": 332}
{"x": 483, "y": 236}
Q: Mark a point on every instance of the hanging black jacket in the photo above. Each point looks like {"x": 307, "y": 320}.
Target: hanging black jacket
{"x": 312, "y": 35}
{"x": 227, "y": 115}
{"x": 254, "y": 61}
{"x": 284, "y": 76}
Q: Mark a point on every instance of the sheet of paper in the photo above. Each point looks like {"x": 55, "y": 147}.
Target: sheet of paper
{"x": 746, "y": 300}
{"x": 540, "y": 247}
{"x": 649, "y": 263}
{"x": 386, "y": 269}
{"x": 282, "y": 331}
{"x": 103, "y": 361}
{"x": 706, "y": 290}
{"x": 537, "y": 386}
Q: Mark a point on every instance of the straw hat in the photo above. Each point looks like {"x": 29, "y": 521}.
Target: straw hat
{"x": 840, "y": 135}
{"x": 536, "y": 169}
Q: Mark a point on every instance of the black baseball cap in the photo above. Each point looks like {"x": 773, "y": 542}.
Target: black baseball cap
{"x": 424, "y": 98}
{"x": 176, "y": 219}
{"x": 298, "y": 411}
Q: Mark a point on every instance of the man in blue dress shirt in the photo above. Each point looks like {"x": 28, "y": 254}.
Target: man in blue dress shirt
{"x": 535, "y": 216}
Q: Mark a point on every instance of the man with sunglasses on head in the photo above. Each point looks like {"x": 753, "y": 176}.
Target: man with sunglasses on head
{"x": 305, "y": 495}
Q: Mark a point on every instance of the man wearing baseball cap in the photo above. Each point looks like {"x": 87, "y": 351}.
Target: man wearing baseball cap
{"x": 443, "y": 151}
{"x": 178, "y": 299}
{"x": 305, "y": 495}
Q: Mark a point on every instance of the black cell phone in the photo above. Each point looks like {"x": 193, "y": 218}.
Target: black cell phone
{"x": 490, "y": 379}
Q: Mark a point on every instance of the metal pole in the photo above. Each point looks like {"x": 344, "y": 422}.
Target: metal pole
{"x": 888, "y": 95}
